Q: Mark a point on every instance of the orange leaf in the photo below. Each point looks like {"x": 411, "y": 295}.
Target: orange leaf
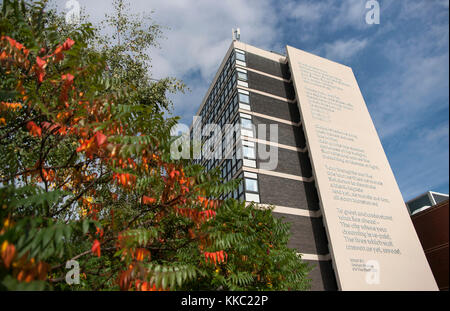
{"x": 41, "y": 63}
{"x": 34, "y": 129}
{"x": 68, "y": 44}
{"x": 96, "y": 248}
{"x": 8, "y": 252}
{"x": 148, "y": 200}
{"x": 100, "y": 138}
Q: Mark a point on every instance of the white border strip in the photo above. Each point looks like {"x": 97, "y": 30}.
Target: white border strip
{"x": 293, "y": 211}
{"x": 277, "y": 174}
{"x": 297, "y": 211}
{"x": 263, "y": 53}
{"x": 284, "y": 99}
{"x": 271, "y": 143}
{"x": 265, "y": 116}
{"x": 264, "y": 74}
{"x": 315, "y": 257}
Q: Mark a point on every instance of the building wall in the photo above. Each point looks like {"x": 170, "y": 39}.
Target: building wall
{"x": 290, "y": 187}
{"x": 274, "y": 107}
{"x": 432, "y": 227}
{"x": 263, "y": 64}
{"x": 308, "y": 235}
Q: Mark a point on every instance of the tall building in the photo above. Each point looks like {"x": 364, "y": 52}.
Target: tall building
{"x": 275, "y": 153}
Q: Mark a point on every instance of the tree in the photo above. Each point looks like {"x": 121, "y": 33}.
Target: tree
{"x": 87, "y": 175}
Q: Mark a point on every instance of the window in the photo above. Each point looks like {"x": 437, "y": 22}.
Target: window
{"x": 240, "y": 56}
{"x": 251, "y": 185}
{"x": 249, "y": 152}
{"x": 247, "y": 124}
{"x": 244, "y": 98}
{"x": 242, "y": 75}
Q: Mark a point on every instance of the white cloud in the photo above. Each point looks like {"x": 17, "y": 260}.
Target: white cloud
{"x": 198, "y": 35}
{"x": 200, "y": 31}
{"x": 349, "y": 13}
{"x": 416, "y": 82}
{"x": 329, "y": 15}
{"x": 305, "y": 11}
{"x": 422, "y": 9}
{"x": 343, "y": 50}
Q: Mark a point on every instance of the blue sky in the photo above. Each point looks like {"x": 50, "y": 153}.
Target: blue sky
{"x": 401, "y": 65}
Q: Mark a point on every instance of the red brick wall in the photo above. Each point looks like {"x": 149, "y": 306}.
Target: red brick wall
{"x": 433, "y": 231}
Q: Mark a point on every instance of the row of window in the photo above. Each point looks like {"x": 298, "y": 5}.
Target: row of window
{"x": 225, "y": 83}
{"x": 241, "y": 100}
{"x": 213, "y": 98}
{"x": 247, "y": 190}
{"x": 221, "y": 107}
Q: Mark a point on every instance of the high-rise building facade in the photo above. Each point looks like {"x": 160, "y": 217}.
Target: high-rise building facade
{"x": 254, "y": 87}
{"x": 254, "y": 92}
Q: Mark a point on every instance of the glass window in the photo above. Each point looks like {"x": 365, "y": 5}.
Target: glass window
{"x": 240, "y": 56}
{"x": 249, "y": 152}
{"x": 251, "y": 185}
{"x": 242, "y": 75}
{"x": 246, "y": 123}
{"x": 244, "y": 98}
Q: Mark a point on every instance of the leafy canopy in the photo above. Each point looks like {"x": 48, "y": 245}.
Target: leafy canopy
{"x": 86, "y": 172}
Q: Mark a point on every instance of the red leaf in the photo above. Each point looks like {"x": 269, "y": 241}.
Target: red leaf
{"x": 68, "y": 77}
{"x": 34, "y": 129}
{"x": 148, "y": 200}
{"x": 172, "y": 174}
{"x": 40, "y": 71}
{"x": 68, "y": 44}
{"x": 40, "y": 62}
{"x": 100, "y": 138}
{"x": 96, "y": 248}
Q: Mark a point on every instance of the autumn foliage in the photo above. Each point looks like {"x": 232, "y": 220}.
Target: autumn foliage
{"x": 86, "y": 173}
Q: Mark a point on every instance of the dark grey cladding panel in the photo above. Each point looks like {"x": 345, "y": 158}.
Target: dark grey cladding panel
{"x": 270, "y": 85}
{"x": 287, "y": 192}
{"x": 274, "y": 108}
{"x": 322, "y": 276}
{"x": 307, "y": 234}
{"x": 287, "y": 134}
{"x": 268, "y": 66}
{"x": 289, "y": 161}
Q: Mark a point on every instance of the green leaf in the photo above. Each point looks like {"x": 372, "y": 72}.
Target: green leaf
{"x": 85, "y": 225}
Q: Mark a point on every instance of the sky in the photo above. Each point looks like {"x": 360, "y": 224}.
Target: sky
{"x": 401, "y": 64}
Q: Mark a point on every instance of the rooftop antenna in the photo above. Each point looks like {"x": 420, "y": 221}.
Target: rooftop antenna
{"x": 236, "y": 34}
